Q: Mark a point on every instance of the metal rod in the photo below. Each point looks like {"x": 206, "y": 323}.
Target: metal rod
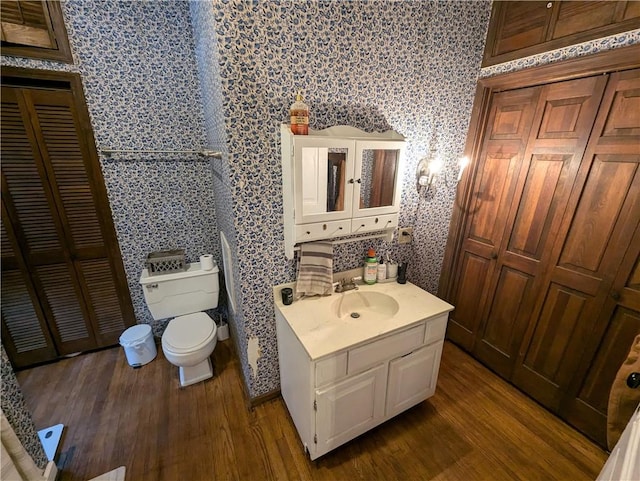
{"x": 344, "y": 241}
{"x": 204, "y": 152}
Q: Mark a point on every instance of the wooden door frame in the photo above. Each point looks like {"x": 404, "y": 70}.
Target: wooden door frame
{"x": 73, "y": 82}
{"x": 600, "y": 63}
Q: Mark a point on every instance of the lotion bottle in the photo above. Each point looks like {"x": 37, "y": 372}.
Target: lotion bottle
{"x": 370, "y": 267}
{"x": 382, "y": 271}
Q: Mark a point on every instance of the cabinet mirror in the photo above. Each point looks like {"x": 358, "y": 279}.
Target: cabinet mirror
{"x": 378, "y": 177}
{"x": 323, "y": 179}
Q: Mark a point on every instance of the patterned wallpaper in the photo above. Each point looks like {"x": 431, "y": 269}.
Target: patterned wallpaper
{"x": 410, "y": 66}
{"x": 137, "y": 63}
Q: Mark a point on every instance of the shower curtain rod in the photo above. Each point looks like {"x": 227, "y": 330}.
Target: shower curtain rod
{"x": 204, "y": 152}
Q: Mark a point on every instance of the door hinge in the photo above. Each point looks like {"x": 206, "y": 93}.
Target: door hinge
{"x": 315, "y": 405}
{"x": 315, "y": 439}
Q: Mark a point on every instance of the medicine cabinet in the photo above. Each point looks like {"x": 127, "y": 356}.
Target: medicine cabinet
{"x": 339, "y": 181}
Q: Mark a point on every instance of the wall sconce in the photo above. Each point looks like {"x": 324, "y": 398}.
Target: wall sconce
{"x": 429, "y": 169}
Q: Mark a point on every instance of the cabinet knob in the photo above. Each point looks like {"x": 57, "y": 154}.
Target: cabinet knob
{"x": 340, "y": 228}
{"x": 376, "y": 221}
{"x": 549, "y": 4}
{"x": 358, "y": 181}
{"x": 351, "y": 181}
{"x": 615, "y": 295}
{"x": 324, "y": 226}
{"x": 494, "y": 255}
{"x": 308, "y": 232}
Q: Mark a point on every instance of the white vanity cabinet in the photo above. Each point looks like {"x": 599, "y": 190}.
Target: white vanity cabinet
{"x": 339, "y": 181}
{"x": 342, "y": 394}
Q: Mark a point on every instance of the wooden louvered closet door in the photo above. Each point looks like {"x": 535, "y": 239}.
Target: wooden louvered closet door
{"x": 58, "y": 242}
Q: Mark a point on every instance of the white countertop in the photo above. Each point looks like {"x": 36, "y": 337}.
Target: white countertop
{"x": 322, "y": 334}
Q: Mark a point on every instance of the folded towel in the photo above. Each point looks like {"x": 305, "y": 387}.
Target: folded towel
{"x": 315, "y": 272}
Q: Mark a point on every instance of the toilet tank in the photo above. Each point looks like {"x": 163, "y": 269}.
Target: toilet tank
{"x": 178, "y": 293}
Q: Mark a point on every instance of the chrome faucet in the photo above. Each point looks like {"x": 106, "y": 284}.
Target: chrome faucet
{"x": 347, "y": 285}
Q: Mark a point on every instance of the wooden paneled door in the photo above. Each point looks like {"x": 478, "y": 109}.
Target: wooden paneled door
{"x": 500, "y": 160}
{"x": 546, "y": 277}
{"x": 589, "y": 310}
{"x": 63, "y": 283}
{"x": 532, "y": 152}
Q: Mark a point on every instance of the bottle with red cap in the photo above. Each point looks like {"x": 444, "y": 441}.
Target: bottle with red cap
{"x": 370, "y": 267}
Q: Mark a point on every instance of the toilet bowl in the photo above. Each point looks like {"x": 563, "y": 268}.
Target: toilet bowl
{"x": 188, "y": 342}
{"x": 191, "y": 336}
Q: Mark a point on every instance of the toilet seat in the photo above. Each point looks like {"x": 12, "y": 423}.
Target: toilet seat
{"x": 188, "y": 333}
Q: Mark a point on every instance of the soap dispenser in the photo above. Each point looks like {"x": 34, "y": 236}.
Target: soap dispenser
{"x": 299, "y": 114}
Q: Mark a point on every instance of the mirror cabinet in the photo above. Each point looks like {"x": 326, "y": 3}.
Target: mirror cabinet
{"x": 339, "y": 181}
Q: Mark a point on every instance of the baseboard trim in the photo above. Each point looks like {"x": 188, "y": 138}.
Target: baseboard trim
{"x": 253, "y": 402}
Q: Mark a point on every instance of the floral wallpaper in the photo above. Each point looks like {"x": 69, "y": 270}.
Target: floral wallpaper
{"x": 17, "y": 413}
{"x": 409, "y": 66}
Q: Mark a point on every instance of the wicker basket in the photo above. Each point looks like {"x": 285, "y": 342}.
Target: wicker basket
{"x": 165, "y": 262}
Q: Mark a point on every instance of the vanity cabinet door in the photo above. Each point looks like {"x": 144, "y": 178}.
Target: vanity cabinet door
{"x": 412, "y": 378}
{"x": 323, "y": 179}
{"x": 349, "y": 408}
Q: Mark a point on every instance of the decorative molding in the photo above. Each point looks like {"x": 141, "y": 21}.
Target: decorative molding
{"x": 591, "y": 47}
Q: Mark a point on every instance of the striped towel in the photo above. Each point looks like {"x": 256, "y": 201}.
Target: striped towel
{"x": 315, "y": 272}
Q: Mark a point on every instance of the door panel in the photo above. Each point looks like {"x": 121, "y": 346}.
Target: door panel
{"x": 507, "y": 321}
{"x": 61, "y": 302}
{"x": 56, "y": 205}
{"x": 463, "y": 321}
{"x": 561, "y": 127}
{"x": 349, "y": 408}
{"x": 412, "y": 378}
{"x": 509, "y": 120}
{"x": 538, "y": 204}
{"x": 598, "y": 213}
{"x": 580, "y": 324}
{"x": 53, "y": 123}
{"x": 24, "y": 327}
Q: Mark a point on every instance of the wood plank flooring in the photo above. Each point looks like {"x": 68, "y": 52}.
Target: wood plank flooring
{"x": 476, "y": 427}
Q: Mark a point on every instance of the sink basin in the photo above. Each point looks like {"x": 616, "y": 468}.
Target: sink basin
{"x": 366, "y": 306}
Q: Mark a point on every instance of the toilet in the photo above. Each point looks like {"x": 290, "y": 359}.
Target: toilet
{"x": 190, "y": 337}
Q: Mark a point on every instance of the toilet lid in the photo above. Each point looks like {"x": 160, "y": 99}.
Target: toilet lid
{"x": 185, "y": 333}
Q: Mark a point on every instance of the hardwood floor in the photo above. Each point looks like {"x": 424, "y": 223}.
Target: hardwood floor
{"x": 476, "y": 427}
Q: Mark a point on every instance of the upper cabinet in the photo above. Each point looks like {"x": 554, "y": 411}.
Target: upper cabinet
{"x": 339, "y": 181}
{"x": 520, "y": 29}
{"x": 34, "y": 29}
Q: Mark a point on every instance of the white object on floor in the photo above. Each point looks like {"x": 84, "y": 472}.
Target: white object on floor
{"x": 115, "y": 475}
{"x": 139, "y": 346}
{"x": 223, "y": 332}
{"x": 50, "y": 438}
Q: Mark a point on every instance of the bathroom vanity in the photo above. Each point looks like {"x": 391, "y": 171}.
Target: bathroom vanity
{"x": 353, "y": 360}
